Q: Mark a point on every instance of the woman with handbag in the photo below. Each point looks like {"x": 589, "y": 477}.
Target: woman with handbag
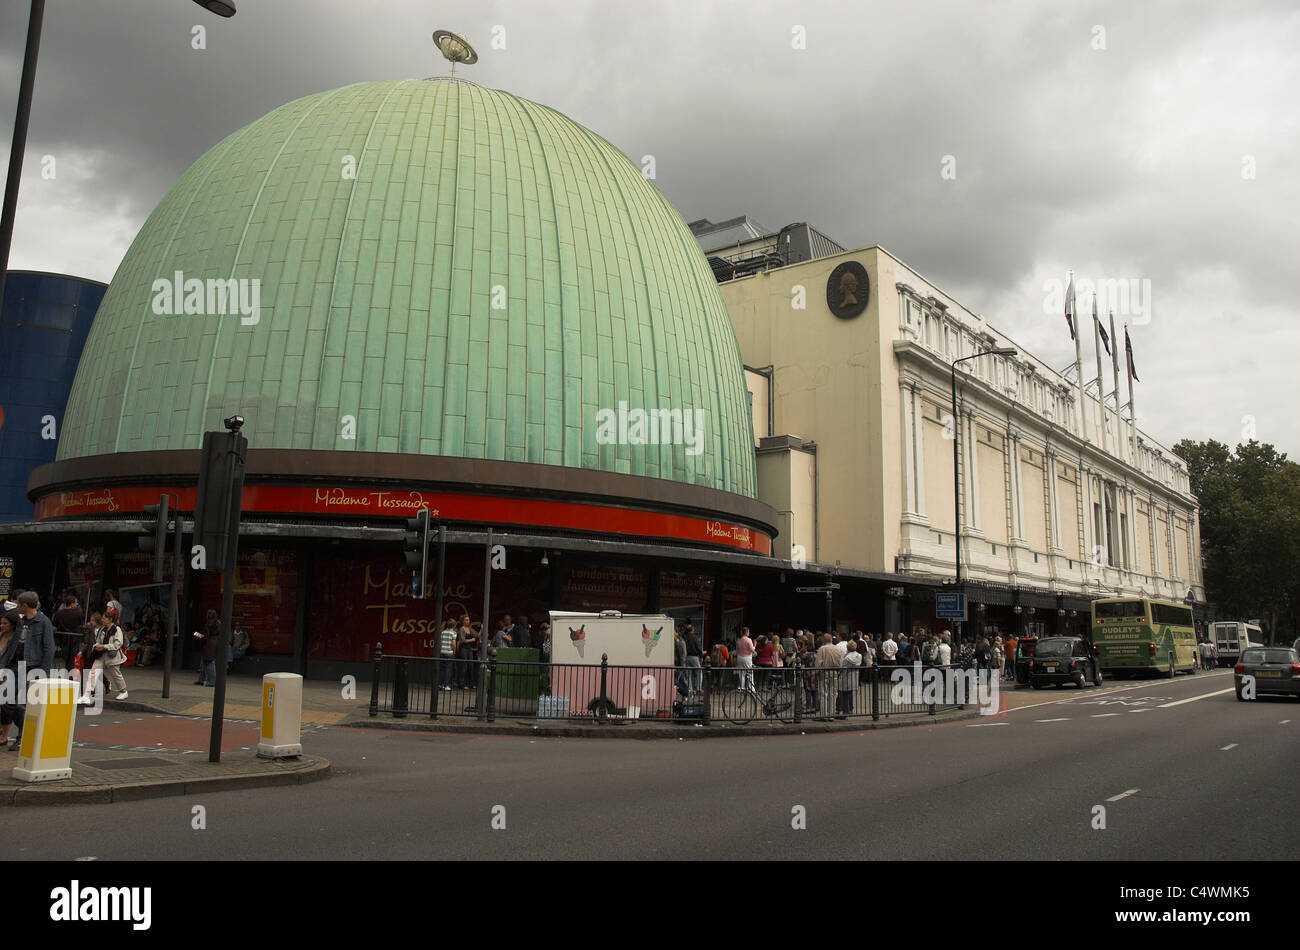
{"x": 109, "y": 655}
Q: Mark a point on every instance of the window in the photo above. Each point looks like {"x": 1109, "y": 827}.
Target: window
{"x": 1120, "y": 610}
{"x": 1169, "y": 614}
{"x": 1110, "y": 520}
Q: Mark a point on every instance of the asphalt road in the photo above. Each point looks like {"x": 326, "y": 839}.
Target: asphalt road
{"x": 1183, "y": 770}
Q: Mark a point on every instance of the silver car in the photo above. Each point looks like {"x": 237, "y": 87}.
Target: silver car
{"x": 1267, "y": 670}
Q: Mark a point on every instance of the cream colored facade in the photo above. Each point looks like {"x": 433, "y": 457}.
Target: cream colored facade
{"x": 1044, "y": 505}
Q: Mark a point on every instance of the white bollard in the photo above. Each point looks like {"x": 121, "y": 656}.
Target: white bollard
{"x": 281, "y": 716}
{"x": 48, "y": 723}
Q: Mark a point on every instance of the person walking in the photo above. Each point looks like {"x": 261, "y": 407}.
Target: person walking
{"x": 694, "y": 658}
{"x": 31, "y": 648}
{"x": 848, "y": 680}
{"x": 680, "y": 679}
{"x": 209, "y": 638}
{"x": 828, "y": 662}
{"x": 107, "y": 655}
{"x": 765, "y": 659}
{"x": 8, "y": 711}
{"x": 446, "y": 656}
{"x": 888, "y": 650}
{"x": 466, "y": 648}
{"x": 808, "y": 661}
{"x": 520, "y": 636}
{"x": 745, "y": 651}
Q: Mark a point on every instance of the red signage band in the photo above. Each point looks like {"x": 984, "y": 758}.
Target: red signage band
{"x": 449, "y": 506}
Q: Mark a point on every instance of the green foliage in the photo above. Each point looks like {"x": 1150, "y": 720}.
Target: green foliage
{"x": 1250, "y": 531}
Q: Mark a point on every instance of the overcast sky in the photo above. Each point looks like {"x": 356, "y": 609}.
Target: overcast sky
{"x": 1154, "y": 141}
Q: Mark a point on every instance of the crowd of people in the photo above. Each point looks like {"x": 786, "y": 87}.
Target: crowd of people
{"x": 459, "y": 646}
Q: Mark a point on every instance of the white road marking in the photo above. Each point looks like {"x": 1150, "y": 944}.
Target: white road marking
{"x": 1139, "y": 710}
{"x": 1195, "y": 698}
{"x": 978, "y": 725}
{"x": 1231, "y": 745}
{"x": 1105, "y": 690}
{"x": 1066, "y": 719}
{"x": 1103, "y": 715}
{"x": 1131, "y": 791}
{"x": 1284, "y": 722}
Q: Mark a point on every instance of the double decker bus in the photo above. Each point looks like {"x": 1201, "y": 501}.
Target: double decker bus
{"x": 1232, "y": 637}
{"x": 1140, "y": 634}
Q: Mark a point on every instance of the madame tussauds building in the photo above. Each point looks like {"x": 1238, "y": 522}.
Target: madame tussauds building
{"x": 419, "y": 293}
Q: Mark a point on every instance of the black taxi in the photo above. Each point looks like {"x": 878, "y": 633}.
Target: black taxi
{"x": 1063, "y": 660}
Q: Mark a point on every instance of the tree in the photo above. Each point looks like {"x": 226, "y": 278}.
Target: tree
{"x": 1250, "y": 530}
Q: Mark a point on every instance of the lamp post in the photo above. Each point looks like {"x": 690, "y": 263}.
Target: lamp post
{"x": 956, "y": 481}
{"x": 222, "y": 8}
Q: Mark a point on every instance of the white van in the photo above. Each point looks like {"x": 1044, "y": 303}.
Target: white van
{"x": 1233, "y": 636}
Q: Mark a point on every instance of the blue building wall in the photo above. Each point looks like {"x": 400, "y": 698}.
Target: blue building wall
{"x": 43, "y": 325}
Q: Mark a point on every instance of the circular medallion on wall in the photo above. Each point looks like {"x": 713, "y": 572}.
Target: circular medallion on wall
{"x": 847, "y": 290}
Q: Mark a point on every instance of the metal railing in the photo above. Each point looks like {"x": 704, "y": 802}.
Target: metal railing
{"x": 435, "y": 686}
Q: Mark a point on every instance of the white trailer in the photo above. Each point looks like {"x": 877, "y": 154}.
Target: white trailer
{"x": 1233, "y": 636}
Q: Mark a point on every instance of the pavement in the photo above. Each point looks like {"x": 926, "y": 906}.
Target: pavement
{"x": 118, "y": 757}
{"x": 161, "y": 750}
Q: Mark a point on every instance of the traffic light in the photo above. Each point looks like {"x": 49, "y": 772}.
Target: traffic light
{"x": 417, "y": 552}
{"x": 154, "y": 539}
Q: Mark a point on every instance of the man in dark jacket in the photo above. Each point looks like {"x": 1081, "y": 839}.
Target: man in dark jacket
{"x": 519, "y": 634}
{"x": 69, "y": 624}
{"x": 30, "y": 648}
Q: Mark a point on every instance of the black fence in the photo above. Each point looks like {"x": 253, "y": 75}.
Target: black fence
{"x": 436, "y": 687}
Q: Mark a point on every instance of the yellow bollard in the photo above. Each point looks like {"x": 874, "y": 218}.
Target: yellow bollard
{"x": 51, "y": 715}
{"x": 281, "y": 716}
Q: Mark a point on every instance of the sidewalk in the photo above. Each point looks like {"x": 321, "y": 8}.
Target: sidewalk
{"x": 100, "y": 776}
{"x": 130, "y": 772}
{"x": 323, "y": 701}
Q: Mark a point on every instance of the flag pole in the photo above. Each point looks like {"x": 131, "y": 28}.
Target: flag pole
{"x": 1114, "y": 365}
{"x": 1132, "y": 415}
{"x": 1101, "y": 384}
{"x": 1078, "y": 359}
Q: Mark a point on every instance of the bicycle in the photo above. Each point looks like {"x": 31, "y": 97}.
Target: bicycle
{"x": 774, "y": 700}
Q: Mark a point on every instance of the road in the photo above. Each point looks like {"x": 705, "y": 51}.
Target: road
{"x": 1183, "y": 770}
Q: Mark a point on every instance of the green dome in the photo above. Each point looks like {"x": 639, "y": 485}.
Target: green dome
{"x": 463, "y": 272}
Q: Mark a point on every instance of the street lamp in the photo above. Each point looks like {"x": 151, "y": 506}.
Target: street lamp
{"x": 222, "y": 8}
{"x": 956, "y": 482}
{"x": 225, "y": 8}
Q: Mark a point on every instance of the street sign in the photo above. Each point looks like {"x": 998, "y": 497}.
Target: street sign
{"x": 950, "y": 606}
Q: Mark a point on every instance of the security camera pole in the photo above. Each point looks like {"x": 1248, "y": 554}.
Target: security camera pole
{"x": 216, "y": 537}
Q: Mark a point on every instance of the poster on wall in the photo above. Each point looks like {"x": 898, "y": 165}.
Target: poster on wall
{"x": 596, "y": 587}
{"x": 638, "y": 646}
{"x": 145, "y": 605}
{"x": 356, "y": 602}
{"x": 86, "y": 575}
{"x": 266, "y": 598}
{"x": 6, "y": 576}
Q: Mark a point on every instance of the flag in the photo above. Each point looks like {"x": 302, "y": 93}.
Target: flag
{"x": 1128, "y": 353}
{"x": 1114, "y": 353}
{"x": 1069, "y": 307}
{"x": 1105, "y": 340}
